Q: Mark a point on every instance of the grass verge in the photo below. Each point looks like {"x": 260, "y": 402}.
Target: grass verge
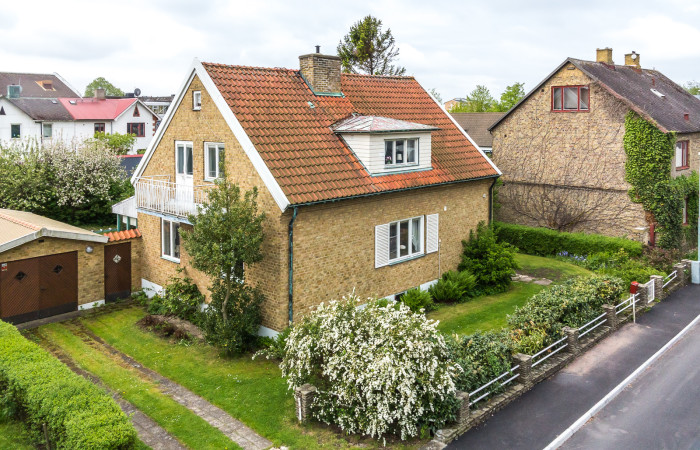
{"x": 13, "y": 435}
{"x": 553, "y": 269}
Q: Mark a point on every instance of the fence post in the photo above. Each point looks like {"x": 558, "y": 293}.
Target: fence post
{"x": 463, "y": 412}
{"x": 642, "y": 297}
{"x": 611, "y": 316}
{"x": 572, "y": 340}
{"x": 658, "y": 286}
{"x": 686, "y": 267}
{"x": 680, "y": 274}
{"x": 525, "y": 369}
{"x": 304, "y": 396}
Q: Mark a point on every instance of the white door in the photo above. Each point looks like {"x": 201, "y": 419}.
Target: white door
{"x": 183, "y": 174}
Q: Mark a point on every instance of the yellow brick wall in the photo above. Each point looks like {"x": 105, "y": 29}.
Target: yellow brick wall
{"x": 90, "y": 265}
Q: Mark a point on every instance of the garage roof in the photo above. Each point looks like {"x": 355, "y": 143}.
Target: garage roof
{"x": 20, "y": 227}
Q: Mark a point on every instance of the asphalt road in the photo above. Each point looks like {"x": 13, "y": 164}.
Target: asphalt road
{"x": 659, "y": 410}
{"x": 540, "y": 415}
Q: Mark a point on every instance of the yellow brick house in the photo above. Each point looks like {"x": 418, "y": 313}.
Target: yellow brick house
{"x": 367, "y": 183}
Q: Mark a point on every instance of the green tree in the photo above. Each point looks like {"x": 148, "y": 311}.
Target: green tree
{"x": 100, "y": 82}
{"x": 479, "y": 100}
{"x": 226, "y": 234}
{"x": 436, "y": 94}
{"x": 512, "y": 95}
{"x": 693, "y": 87}
{"x": 120, "y": 143}
{"x": 367, "y": 49}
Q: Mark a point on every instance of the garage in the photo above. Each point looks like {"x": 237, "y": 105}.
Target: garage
{"x": 47, "y": 267}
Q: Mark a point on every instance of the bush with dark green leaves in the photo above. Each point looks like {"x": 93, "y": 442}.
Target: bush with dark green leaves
{"x": 619, "y": 264}
{"x": 453, "y": 286}
{"x": 273, "y": 347}
{"x": 37, "y": 389}
{"x": 572, "y": 303}
{"x": 547, "y": 242}
{"x": 417, "y": 299}
{"x": 180, "y": 298}
{"x": 235, "y": 329}
{"x": 483, "y": 356}
{"x": 490, "y": 261}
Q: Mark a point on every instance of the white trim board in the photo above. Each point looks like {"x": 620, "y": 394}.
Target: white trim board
{"x": 239, "y": 133}
{"x": 91, "y": 305}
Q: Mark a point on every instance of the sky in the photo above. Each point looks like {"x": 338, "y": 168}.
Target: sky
{"x": 450, "y": 46}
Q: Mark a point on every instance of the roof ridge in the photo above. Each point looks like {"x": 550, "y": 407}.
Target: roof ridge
{"x": 367, "y": 75}
{"x": 20, "y": 222}
{"x": 240, "y": 66}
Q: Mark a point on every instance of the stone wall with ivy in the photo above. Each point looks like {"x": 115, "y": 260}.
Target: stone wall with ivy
{"x": 648, "y": 170}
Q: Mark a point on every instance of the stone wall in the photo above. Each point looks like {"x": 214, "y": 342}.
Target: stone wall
{"x": 570, "y": 150}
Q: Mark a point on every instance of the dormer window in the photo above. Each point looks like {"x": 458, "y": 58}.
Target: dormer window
{"x": 400, "y": 152}
{"x": 197, "y": 100}
{"x": 46, "y": 85}
{"x": 13, "y": 90}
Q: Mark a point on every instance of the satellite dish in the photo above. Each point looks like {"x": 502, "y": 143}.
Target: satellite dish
{"x": 137, "y": 92}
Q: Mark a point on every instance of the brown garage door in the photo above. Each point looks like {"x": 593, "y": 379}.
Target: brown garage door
{"x": 117, "y": 271}
{"x": 38, "y": 287}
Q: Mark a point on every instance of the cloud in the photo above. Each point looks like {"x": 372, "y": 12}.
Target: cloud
{"x": 660, "y": 38}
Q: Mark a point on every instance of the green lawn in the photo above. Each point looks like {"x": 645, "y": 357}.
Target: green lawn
{"x": 483, "y": 313}
{"x": 14, "y": 436}
{"x": 553, "y": 269}
{"x": 489, "y": 313}
{"x": 251, "y": 391}
{"x": 179, "y": 421}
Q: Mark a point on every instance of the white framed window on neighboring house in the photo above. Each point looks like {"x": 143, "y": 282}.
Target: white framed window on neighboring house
{"x": 405, "y": 239}
{"x": 213, "y": 152}
{"x": 170, "y": 240}
{"x": 682, "y": 155}
{"x": 400, "y": 152}
{"x": 47, "y": 130}
{"x": 197, "y": 100}
{"x": 15, "y": 131}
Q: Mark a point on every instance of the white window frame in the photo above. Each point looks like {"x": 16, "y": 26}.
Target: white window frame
{"x": 174, "y": 228}
{"x": 405, "y": 152}
{"x": 43, "y": 133}
{"x": 410, "y": 255}
{"x": 196, "y": 100}
{"x": 219, "y": 149}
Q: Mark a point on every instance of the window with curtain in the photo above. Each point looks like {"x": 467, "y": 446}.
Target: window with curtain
{"x": 570, "y": 98}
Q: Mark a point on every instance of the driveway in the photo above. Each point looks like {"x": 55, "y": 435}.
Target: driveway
{"x": 536, "y": 418}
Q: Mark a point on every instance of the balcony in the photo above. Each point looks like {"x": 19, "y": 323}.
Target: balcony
{"x": 159, "y": 194}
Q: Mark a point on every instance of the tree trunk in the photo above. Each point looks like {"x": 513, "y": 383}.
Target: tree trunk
{"x": 225, "y": 303}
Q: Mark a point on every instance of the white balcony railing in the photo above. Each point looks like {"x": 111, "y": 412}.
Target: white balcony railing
{"x": 158, "y": 194}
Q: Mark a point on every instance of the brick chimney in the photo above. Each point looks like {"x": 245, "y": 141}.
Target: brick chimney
{"x": 604, "y": 55}
{"x": 632, "y": 59}
{"x": 100, "y": 94}
{"x": 321, "y": 72}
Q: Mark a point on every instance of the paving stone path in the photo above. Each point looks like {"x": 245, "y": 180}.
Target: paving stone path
{"x": 148, "y": 431}
{"x": 215, "y": 416}
{"x": 528, "y": 279}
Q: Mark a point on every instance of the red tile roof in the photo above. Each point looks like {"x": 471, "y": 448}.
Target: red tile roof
{"x": 123, "y": 235}
{"x": 93, "y": 109}
{"x": 308, "y": 160}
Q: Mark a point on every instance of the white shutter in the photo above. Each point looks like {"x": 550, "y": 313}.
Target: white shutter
{"x": 431, "y": 235}
{"x": 679, "y": 155}
{"x": 381, "y": 245}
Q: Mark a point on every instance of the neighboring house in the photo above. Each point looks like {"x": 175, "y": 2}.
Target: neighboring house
{"x": 449, "y": 104}
{"x": 362, "y": 189}
{"x": 477, "y": 127}
{"x": 40, "y": 108}
{"x": 49, "y": 267}
{"x": 159, "y": 105}
{"x": 561, "y": 147}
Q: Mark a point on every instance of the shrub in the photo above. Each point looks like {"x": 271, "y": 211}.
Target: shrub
{"x": 661, "y": 259}
{"x": 37, "y": 389}
{"x": 418, "y": 300}
{"x": 180, "y": 298}
{"x": 237, "y": 333}
{"x": 483, "y": 356}
{"x": 491, "y": 262}
{"x": 379, "y": 370}
{"x": 273, "y": 347}
{"x": 546, "y": 242}
{"x": 453, "y": 286}
{"x": 619, "y": 264}
{"x": 572, "y": 303}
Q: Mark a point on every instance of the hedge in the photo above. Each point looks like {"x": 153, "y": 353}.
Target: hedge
{"x": 39, "y": 389}
{"x": 546, "y": 242}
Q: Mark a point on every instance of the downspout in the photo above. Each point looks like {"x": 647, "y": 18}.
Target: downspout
{"x": 291, "y": 265}
{"x": 491, "y": 200}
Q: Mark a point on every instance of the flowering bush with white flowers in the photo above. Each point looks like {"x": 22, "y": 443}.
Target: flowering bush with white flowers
{"x": 74, "y": 182}
{"x": 379, "y": 369}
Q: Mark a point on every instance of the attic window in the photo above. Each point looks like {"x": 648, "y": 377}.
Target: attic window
{"x": 657, "y": 93}
{"x": 46, "y": 85}
{"x": 136, "y": 111}
{"x": 197, "y": 100}
{"x": 72, "y": 102}
{"x": 13, "y": 90}
{"x": 400, "y": 152}
{"x": 570, "y": 98}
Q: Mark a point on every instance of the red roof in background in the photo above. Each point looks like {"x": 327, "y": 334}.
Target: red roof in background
{"x": 93, "y": 109}
{"x": 308, "y": 160}
{"x": 123, "y": 235}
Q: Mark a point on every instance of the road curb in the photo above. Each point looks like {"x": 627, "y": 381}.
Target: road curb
{"x": 563, "y": 437}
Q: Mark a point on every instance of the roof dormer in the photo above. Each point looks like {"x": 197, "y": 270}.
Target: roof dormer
{"x": 386, "y": 145}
